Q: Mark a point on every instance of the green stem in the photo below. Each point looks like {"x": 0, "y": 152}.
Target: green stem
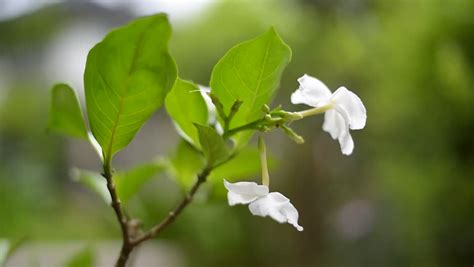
{"x": 249, "y": 126}
{"x": 314, "y": 111}
{"x": 263, "y": 161}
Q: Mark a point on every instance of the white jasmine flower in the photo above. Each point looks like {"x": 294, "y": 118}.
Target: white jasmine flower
{"x": 262, "y": 202}
{"x": 343, "y": 109}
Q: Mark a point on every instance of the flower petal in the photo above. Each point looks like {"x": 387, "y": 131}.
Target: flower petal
{"x": 334, "y": 124}
{"x": 277, "y": 207}
{"x": 346, "y": 143}
{"x": 244, "y": 192}
{"x": 354, "y": 107}
{"x": 292, "y": 215}
{"x": 337, "y": 125}
{"x": 311, "y": 92}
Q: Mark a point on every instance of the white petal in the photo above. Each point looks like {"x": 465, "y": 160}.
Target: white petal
{"x": 337, "y": 125}
{"x": 234, "y": 199}
{"x": 354, "y": 107}
{"x": 277, "y": 207}
{"x": 244, "y": 192}
{"x": 334, "y": 124}
{"x": 347, "y": 144}
{"x": 292, "y": 215}
{"x": 311, "y": 92}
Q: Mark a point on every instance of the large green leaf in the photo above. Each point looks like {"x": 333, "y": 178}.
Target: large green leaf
{"x": 65, "y": 116}
{"x": 130, "y": 182}
{"x": 250, "y": 72}
{"x": 213, "y": 145}
{"x": 186, "y": 106}
{"x": 127, "y": 77}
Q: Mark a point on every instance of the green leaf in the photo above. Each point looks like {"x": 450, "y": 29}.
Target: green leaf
{"x": 93, "y": 181}
{"x": 127, "y": 77}
{"x": 186, "y": 163}
{"x": 83, "y": 258}
{"x": 213, "y": 145}
{"x": 130, "y": 182}
{"x": 65, "y": 116}
{"x": 186, "y": 106}
{"x": 250, "y": 72}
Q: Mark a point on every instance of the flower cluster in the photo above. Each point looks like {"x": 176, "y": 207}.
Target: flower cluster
{"x": 343, "y": 111}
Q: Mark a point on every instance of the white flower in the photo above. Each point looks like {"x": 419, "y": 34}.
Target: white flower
{"x": 262, "y": 202}
{"x": 344, "y": 109}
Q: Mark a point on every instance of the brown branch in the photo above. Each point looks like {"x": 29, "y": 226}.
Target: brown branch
{"x": 155, "y": 230}
{"x": 127, "y": 246}
{"x": 128, "y": 241}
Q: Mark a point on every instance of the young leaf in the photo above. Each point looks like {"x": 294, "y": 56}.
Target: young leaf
{"x": 186, "y": 106}
{"x": 213, "y": 145}
{"x": 127, "y": 77}
{"x": 128, "y": 183}
{"x": 186, "y": 163}
{"x": 93, "y": 181}
{"x": 65, "y": 116}
{"x": 83, "y": 258}
{"x": 250, "y": 72}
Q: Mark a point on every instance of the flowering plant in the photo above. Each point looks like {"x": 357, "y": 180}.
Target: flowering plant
{"x": 130, "y": 74}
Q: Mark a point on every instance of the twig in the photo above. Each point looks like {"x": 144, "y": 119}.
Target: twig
{"x": 155, "y": 230}
{"x": 127, "y": 246}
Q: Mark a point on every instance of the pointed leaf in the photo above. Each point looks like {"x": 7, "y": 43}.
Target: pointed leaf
{"x": 65, "y": 116}
{"x": 131, "y": 181}
{"x": 250, "y": 72}
{"x": 186, "y": 106}
{"x": 127, "y": 77}
{"x": 213, "y": 145}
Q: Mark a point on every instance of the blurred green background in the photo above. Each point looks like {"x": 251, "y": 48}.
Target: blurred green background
{"x": 404, "y": 198}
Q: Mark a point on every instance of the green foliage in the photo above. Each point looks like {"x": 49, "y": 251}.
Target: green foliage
{"x": 127, "y": 77}
{"x": 186, "y": 106}
{"x": 83, "y": 258}
{"x": 213, "y": 145}
{"x": 250, "y": 72}
{"x": 186, "y": 163}
{"x": 93, "y": 181}
{"x": 65, "y": 116}
{"x": 130, "y": 182}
